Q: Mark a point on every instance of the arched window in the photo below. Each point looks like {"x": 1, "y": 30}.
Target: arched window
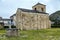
{"x": 35, "y": 8}
{"x": 42, "y": 9}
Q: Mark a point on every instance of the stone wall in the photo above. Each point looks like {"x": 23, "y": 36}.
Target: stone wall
{"x": 28, "y": 21}
{"x": 1, "y": 26}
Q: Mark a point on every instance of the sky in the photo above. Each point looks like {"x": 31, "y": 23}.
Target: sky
{"x": 9, "y": 7}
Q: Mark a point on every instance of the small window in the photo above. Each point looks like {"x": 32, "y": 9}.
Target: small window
{"x": 42, "y": 9}
{"x": 35, "y": 8}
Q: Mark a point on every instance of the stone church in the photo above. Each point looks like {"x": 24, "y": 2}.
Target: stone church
{"x": 34, "y": 19}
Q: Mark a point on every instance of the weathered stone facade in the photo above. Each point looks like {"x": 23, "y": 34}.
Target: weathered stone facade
{"x": 1, "y": 25}
{"x": 32, "y": 20}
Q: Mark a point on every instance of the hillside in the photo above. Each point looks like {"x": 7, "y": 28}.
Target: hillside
{"x": 55, "y": 16}
{"x": 43, "y": 34}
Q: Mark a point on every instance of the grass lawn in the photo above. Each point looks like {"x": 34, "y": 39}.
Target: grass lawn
{"x": 43, "y": 34}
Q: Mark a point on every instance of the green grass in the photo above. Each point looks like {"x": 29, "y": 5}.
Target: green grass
{"x": 2, "y": 31}
{"x": 43, "y": 34}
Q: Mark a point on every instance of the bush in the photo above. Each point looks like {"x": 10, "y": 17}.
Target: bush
{"x": 6, "y": 27}
{"x": 55, "y": 26}
{"x": 13, "y": 26}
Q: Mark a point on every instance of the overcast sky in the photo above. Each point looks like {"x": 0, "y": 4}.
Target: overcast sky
{"x": 9, "y": 7}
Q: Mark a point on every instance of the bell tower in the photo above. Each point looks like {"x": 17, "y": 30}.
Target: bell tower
{"x": 39, "y": 7}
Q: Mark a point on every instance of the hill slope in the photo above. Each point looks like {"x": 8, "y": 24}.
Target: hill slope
{"x": 55, "y": 16}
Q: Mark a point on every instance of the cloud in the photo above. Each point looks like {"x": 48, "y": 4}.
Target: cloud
{"x": 8, "y": 7}
{"x": 47, "y": 0}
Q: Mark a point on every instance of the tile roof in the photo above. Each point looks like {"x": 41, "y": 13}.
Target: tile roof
{"x": 39, "y": 4}
{"x": 27, "y": 10}
{"x": 12, "y": 15}
{"x": 33, "y": 11}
